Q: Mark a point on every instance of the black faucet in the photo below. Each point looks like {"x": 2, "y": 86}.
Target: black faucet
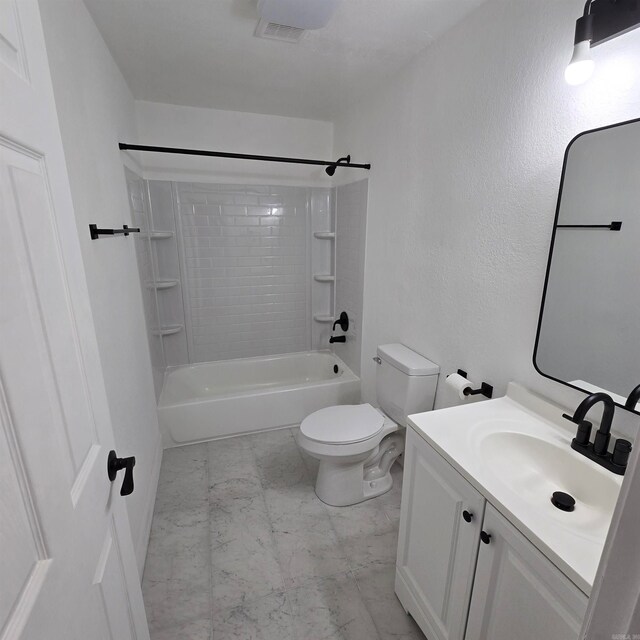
{"x": 343, "y": 321}
{"x": 633, "y": 399}
{"x": 598, "y": 451}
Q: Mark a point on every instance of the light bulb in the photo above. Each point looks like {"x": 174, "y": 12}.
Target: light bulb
{"x": 580, "y": 68}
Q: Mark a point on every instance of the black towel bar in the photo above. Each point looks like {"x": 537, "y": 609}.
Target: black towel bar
{"x": 616, "y": 225}
{"x": 125, "y": 231}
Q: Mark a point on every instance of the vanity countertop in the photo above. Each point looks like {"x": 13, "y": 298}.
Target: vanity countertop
{"x": 516, "y": 451}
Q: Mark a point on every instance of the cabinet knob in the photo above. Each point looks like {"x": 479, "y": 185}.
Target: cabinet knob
{"x": 485, "y": 537}
{"x": 467, "y": 515}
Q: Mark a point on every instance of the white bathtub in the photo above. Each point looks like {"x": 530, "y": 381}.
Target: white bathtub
{"x": 216, "y": 399}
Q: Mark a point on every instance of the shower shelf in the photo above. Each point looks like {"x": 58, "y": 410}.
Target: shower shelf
{"x": 324, "y": 278}
{"x": 158, "y": 235}
{"x": 320, "y": 317}
{"x": 162, "y": 284}
{"x": 324, "y": 235}
{"x": 168, "y": 330}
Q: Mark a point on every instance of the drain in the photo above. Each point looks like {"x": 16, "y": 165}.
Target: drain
{"x": 563, "y": 501}
{"x": 335, "y": 368}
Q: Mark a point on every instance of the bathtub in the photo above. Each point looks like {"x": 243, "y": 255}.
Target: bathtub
{"x": 217, "y": 399}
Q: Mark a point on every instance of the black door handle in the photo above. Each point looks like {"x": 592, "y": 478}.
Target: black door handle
{"x": 467, "y": 515}
{"x": 485, "y": 537}
{"x": 115, "y": 464}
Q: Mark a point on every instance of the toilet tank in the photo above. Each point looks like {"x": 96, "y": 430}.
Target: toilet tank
{"x": 405, "y": 382}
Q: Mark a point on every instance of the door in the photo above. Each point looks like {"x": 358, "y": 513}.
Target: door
{"x": 66, "y": 557}
{"x": 439, "y": 535}
{"x": 518, "y": 593}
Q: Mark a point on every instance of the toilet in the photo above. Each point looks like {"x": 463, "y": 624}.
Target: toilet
{"x": 357, "y": 444}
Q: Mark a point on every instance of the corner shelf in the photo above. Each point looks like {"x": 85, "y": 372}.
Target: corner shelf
{"x": 324, "y": 235}
{"x": 162, "y": 284}
{"x": 324, "y": 278}
{"x": 157, "y": 235}
{"x": 320, "y": 317}
{"x": 168, "y": 330}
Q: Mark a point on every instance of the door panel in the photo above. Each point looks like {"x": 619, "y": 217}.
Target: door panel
{"x": 110, "y": 586}
{"x": 11, "y": 45}
{"x": 437, "y": 548}
{"x": 519, "y": 592}
{"x": 34, "y": 224}
{"x": 23, "y": 560}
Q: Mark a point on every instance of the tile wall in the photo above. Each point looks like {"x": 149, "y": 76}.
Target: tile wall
{"x": 246, "y": 269}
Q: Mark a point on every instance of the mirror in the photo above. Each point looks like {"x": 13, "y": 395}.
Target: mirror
{"x": 589, "y": 327}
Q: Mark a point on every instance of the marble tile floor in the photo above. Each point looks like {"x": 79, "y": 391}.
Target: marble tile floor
{"x": 242, "y": 549}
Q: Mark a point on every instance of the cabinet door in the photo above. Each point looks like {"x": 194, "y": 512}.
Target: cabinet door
{"x": 518, "y": 593}
{"x": 437, "y": 547}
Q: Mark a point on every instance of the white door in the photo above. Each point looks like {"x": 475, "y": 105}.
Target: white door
{"x": 440, "y": 524}
{"x": 518, "y": 593}
{"x": 67, "y": 569}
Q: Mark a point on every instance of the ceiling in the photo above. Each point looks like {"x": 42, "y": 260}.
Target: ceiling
{"x": 203, "y": 53}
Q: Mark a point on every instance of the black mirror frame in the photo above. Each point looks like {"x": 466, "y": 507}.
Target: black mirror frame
{"x": 549, "y": 260}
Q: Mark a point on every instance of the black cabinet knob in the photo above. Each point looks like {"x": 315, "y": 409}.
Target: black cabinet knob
{"x": 115, "y": 464}
{"x": 468, "y": 516}
{"x": 485, "y": 537}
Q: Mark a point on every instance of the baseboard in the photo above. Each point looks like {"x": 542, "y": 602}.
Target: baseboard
{"x": 143, "y": 538}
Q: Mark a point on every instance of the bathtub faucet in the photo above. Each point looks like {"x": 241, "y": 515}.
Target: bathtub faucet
{"x": 333, "y": 339}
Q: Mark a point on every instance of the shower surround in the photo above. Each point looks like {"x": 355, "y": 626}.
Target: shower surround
{"x": 235, "y": 272}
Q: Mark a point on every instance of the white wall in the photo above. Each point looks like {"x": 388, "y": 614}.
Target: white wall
{"x": 95, "y": 109}
{"x": 235, "y": 132}
{"x": 466, "y": 146}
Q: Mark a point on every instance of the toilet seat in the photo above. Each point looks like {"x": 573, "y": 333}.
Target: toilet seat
{"x": 343, "y": 424}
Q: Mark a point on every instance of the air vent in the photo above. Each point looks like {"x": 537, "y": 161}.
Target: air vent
{"x": 275, "y": 31}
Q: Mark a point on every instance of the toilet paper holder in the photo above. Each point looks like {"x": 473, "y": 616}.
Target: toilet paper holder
{"x": 485, "y": 389}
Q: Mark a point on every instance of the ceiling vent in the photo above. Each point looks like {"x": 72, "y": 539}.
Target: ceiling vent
{"x": 275, "y": 31}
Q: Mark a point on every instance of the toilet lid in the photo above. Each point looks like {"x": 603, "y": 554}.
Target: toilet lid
{"x": 343, "y": 424}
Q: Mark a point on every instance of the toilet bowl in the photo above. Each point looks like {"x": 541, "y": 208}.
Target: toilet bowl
{"x": 357, "y": 445}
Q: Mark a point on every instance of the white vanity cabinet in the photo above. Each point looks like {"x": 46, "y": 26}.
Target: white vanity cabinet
{"x": 437, "y": 547}
{"x": 459, "y": 588}
{"x": 517, "y": 592}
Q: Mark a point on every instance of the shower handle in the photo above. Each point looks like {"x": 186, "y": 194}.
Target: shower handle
{"x": 343, "y": 321}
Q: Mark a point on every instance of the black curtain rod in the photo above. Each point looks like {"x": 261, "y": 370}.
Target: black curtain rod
{"x": 238, "y": 156}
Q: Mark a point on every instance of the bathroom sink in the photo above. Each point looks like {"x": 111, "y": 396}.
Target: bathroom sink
{"x": 534, "y": 468}
{"x": 516, "y": 451}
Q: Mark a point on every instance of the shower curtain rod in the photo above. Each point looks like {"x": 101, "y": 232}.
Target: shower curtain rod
{"x": 238, "y": 156}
